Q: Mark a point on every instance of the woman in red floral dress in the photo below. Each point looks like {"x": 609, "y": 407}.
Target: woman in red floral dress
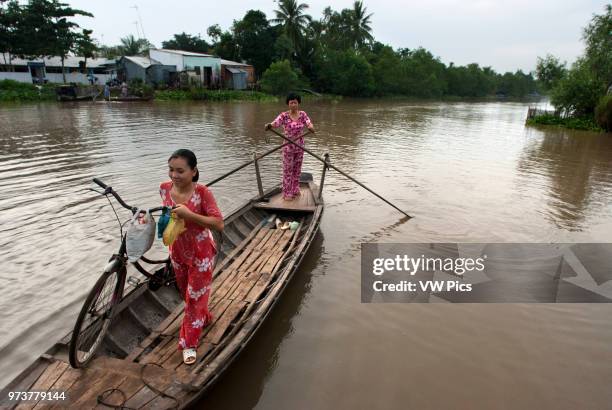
{"x": 293, "y": 121}
{"x": 193, "y": 252}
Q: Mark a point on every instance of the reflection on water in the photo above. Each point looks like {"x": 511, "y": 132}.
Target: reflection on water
{"x": 578, "y": 171}
{"x": 468, "y": 172}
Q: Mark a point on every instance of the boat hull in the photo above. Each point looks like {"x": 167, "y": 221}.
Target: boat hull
{"x": 256, "y": 261}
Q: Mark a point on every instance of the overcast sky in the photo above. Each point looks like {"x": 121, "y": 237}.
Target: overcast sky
{"x": 504, "y": 34}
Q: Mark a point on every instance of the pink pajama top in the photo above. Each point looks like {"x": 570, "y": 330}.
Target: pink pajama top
{"x": 293, "y": 129}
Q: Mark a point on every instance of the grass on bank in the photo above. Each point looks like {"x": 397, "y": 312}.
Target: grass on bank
{"x": 15, "y": 91}
{"x": 202, "y": 94}
{"x": 574, "y": 123}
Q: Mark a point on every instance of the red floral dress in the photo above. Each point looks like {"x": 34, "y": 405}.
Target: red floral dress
{"x": 292, "y": 156}
{"x": 192, "y": 255}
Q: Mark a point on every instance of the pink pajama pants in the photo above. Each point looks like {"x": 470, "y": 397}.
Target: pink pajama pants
{"x": 292, "y": 168}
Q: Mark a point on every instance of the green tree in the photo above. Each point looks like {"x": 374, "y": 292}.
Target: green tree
{"x": 280, "y": 78}
{"x": 590, "y": 77}
{"x": 10, "y": 18}
{"x": 421, "y": 74}
{"x": 337, "y": 28}
{"x": 549, "y": 70}
{"x": 47, "y": 31}
{"x": 290, "y": 15}
{"x": 214, "y": 32}
{"x": 131, "y": 46}
{"x": 598, "y": 38}
{"x": 109, "y": 51}
{"x": 227, "y": 47}
{"x": 187, "y": 42}
{"x": 85, "y": 46}
{"x": 360, "y": 30}
{"x": 253, "y": 36}
{"x": 603, "y": 112}
{"x": 579, "y": 91}
{"x": 283, "y": 47}
{"x": 345, "y": 73}
{"x": 386, "y": 70}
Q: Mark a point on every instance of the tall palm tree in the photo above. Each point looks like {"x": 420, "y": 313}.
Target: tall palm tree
{"x": 360, "y": 25}
{"x": 130, "y": 46}
{"x": 291, "y": 16}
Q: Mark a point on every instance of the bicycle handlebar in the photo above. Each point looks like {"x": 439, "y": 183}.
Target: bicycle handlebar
{"x": 102, "y": 184}
{"x": 133, "y": 209}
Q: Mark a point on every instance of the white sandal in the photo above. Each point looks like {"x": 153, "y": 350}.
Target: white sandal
{"x": 189, "y": 356}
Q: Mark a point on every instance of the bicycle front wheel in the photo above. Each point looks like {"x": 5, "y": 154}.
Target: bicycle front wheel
{"x": 95, "y": 317}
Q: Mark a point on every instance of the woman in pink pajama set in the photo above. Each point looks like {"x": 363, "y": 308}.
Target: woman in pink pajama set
{"x": 293, "y": 121}
{"x": 193, "y": 252}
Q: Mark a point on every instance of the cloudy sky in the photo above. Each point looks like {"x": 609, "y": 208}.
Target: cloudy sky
{"x": 504, "y": 34}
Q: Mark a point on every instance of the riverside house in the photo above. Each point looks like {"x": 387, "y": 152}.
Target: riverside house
{"x": 146, "y": 69}
{"x": 205, "y": 69}
{"x": 49, "y": 70}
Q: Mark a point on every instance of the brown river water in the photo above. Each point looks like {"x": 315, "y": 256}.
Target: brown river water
{"x": 468, "y": 172}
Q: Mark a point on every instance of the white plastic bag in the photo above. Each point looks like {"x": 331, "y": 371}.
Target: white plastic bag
{"x": 140, "y": 235}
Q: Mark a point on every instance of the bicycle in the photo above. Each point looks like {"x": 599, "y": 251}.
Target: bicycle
{"x": 96, "y": 314}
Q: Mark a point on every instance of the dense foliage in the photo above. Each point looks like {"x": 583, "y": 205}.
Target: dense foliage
{"x": 603, "y": 112}
{"x": 187, "y": 42}
{"x": 338, "y": 54}
{"x": 580, "y": 92}
{"x": 41, "y": 28}
{"x": 280, "y": 78}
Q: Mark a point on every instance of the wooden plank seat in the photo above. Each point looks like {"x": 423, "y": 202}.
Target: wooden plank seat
{"x": 305, "y": 202}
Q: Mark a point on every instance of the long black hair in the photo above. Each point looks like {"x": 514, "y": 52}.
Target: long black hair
{"x": 191, "y": 159}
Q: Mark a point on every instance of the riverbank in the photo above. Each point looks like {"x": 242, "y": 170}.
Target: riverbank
{"x": 14, "y": 91}
{"x": 573, "y": 123}
{"x": 202, "y": 94}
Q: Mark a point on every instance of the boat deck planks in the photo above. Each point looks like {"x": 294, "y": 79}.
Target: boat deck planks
{"x": 303, "y": 203}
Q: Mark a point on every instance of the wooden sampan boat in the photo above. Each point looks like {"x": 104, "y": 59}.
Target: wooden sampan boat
{"x": 139, "y": 365}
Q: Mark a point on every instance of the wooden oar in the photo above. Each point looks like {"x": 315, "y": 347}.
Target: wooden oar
{"x": 336, "y": 168}
{"x": 244, "y": 165}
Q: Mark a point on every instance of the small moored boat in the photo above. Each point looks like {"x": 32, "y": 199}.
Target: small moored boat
{"x": 73, "y": 92}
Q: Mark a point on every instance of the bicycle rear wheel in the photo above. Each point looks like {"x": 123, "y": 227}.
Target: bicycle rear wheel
{"x": 95, "y": 317}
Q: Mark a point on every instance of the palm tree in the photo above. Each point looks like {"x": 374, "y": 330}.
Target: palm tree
{"x": 130, "y": 46}
{"x": 360, "y": 25}
{"x": 291, "y": 16}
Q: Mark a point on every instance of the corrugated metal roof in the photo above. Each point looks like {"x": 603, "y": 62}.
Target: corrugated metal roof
{"x": 144, "y": 62}
{"x": 69, "y": 61}
{"x": 228, "y": 62}
{"x": 183, "y": 53}
{"x": 235, "y": 70}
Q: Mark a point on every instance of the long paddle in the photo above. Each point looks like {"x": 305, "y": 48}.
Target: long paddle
{"x": 335, "y": 168}
{"x": 244, "y": 165}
